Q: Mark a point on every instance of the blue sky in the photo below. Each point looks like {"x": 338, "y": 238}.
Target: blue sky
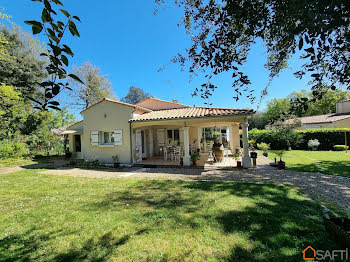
{"x": 129, "y": 44}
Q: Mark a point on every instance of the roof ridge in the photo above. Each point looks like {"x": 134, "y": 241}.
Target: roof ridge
{"x": 150, "y": 97}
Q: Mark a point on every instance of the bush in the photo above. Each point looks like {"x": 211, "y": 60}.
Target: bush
{"x": 11, "y": 149}
{"x": 327, "y": 137}
{"x": 340, "y": 147}
{"x": 263, "y": 146}
{"x": 313, "y": 143}
{"x": 276, "y": 139}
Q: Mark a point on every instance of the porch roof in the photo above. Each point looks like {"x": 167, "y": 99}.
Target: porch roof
{"x": 191, "y": 112}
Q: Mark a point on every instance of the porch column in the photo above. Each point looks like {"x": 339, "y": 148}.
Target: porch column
{"x": 199, "y": 138}
{"x": 246, "y": 157}
{"x": 234, "y": 137}
{"x": 187, "y": 157}
{"x": 150, "y": 136}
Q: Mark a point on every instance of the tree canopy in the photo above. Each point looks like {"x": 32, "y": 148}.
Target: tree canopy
{"x": 223, "y": 32}
{"x": 22, "y": 66}
{"x": 94, "y": 86}
{"x": 135, "y": 95}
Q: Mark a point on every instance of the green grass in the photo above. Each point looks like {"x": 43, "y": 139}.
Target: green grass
{"x": 331, "y": 162}
{"x": 60, "y": 218}
{"x": 15, "y": 162}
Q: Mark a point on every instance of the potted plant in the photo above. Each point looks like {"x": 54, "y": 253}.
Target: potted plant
{"x": 264, "y": 147}
{"x": 116, "y": 160}
{"x": 281, "y": 164}
{"x": 237, "y": 157}
{"x": 313, "y": 144}
{"x": 194, "y": 158}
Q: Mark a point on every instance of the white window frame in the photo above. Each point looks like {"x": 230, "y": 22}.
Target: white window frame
{"x": 110, "y": 138}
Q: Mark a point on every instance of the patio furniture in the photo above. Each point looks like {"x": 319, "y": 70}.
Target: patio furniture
{"x": 175, "y": 153}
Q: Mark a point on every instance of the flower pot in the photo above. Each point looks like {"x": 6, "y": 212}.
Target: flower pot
{"x": 239, "y": 163}
{"x": 281, "y": 164}
{"x": 116, "y": 164}
{"x": 265, "y": 154}
{"x": 194, "y": 163}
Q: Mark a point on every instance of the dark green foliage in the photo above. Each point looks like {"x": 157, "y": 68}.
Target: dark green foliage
{"x": 135, "y": 95}
{"x": 299, "y": 138}
{"x": 257, "y": 121}
{"x": 24, "y": 70}
{"x": 223, "y": 32}
{"x": 54, "y": 31}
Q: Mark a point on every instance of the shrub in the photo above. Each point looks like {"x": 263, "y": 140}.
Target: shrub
{"x": 263, "y": 146}
{"x": 12, "y": 149}
{"x": 313, "y": 143}
{"x": 298, "y": 139}
{"x": 340, "y": 147}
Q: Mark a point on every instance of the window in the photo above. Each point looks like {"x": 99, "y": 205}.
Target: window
{"x": 173, "y": 136}
{"x": 107, "y": 138}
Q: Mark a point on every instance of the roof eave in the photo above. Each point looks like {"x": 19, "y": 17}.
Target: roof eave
{"x": 197, "y": 117}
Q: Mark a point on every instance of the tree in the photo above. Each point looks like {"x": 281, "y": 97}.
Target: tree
{"x": 22, "y": 67}
{"x": 222, "y": 33}
{"x": 325, "y": 105}
{"x": 257, "y": 121}
{"x": 276, "y": 108}
{"x": 12, "y": 112}
{"x": 135, "y": 95}
{"x": 54, "y": 30}
{"x": 93, "y": 88}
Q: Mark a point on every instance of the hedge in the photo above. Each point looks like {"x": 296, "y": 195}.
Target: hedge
{"x": 327, "y": 137}
{"x": 11, "y": 149}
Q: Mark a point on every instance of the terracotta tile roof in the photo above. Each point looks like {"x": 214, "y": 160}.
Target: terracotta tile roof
{"x": 158, "y": 104}
{"x": 117, "y": 102}
{"x": 329, "y": 118}
{"x": 191, "y": 112}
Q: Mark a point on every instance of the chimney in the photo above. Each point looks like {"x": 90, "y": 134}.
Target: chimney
{"x": 343, "y": 106}
{"x": 175, "y": 101}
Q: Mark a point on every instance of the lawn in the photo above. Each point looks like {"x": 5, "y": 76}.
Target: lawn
{"x": 60, "y": 218}
{"x": 327, "y": 162}
{"x": 15, "y": 162}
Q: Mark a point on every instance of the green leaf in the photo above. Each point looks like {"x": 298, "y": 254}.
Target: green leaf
{"x": 45, "y": 16}
{"x": 55, "y": 107}
{"x": 73, "y": 29}
{"x": 301, "y": 42}
{"x": 67, "y": 50}
{"x": 77, "y": 18}
{"x": 36, "y": 30}
{"x": 75, "y": 78}
{"x": 47, "y": 5}
{"x": 34, "y": 23}
{"x": 64, "y": 59}
{"x": 65, "y": 12}
{"x": 55, "y": 103}
{"x": 57, "y": 2}
{"x": 56, "y": 89}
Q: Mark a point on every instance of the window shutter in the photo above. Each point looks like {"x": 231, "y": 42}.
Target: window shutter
{"x": 94, "y": 137}
{"x": 118, "y": 137}
{"x": 160, "y": 137}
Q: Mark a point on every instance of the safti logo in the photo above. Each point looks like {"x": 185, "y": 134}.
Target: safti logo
{"x": 310, "y": 253}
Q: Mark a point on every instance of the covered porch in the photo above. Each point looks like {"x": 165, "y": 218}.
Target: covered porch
{"x": 171, "y": 142}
